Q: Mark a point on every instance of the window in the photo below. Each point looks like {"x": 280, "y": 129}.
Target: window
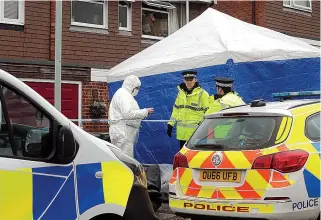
{"x": 232, "y": 134}
{"x": 125, "y": 15}
{"x": 24, "y": 130}
{"x": 305, "y": 5}
{"x": 89, "y": 13}
{"x": 312, "y": 127}
{"x": 12, "y": 12}
{"x": 160, "y": 19}
{"x": 157, "y": 17}
{"x": 181, "y": 15}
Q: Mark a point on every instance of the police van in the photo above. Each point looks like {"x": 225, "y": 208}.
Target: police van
{"x": 257, "y": 161}
{"x": 52, "y": 169}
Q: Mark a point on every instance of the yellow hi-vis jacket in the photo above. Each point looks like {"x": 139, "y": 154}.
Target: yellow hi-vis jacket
{"x": 231, "y": 99}
{"x": 188, "y": 111}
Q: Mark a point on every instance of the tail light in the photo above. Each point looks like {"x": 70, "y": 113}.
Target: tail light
{"x": 263, "y": 162}
{"x": 285, "y": 162}
{"x": 289, "y": 161}
{"x": 180, "y": 161}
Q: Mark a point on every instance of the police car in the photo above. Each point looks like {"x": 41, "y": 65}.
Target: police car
{"x": 52, "y": 169}
{"x": 257, "y": 161}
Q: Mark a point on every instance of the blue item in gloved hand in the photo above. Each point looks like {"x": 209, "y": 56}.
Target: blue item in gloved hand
{"x": 169, "y": 130}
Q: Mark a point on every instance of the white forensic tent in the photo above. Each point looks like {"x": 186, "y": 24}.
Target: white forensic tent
{"x": 261, "y": 61}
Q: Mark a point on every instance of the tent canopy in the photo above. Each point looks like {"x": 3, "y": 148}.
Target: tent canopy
{"x": 212, "y": 39}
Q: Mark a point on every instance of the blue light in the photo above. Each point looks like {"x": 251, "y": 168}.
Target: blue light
{"x": 296, "y": 94}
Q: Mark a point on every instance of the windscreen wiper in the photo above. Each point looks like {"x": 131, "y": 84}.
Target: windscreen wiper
{"x": 211, "y": 146}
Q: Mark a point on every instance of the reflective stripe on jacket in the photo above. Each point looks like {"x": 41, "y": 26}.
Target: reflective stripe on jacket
{"x": 188, "y": 110}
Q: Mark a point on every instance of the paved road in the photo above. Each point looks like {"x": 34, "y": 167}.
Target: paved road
{"x": 164, "y": 213}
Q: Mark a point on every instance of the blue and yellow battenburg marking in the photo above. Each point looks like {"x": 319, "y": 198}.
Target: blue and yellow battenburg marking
{"x": 49, "y": 192}
{"x": 27, "y": 193}
{"x": 114, "y": 187}
{"x": 312, "y": 172}
{"x": 16, "y": 194}
{"x": 298, "y": 140}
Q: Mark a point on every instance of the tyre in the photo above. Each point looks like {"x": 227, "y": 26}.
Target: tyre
{"x": 108, "y": 217}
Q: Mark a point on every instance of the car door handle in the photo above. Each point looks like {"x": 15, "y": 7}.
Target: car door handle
{"x": 99, "y": 174}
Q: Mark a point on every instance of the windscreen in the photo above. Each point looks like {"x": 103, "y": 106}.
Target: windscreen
{"x": 233, "y": 134}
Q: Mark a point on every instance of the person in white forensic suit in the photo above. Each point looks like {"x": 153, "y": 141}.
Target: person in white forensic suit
{"x": 125, "y": 115}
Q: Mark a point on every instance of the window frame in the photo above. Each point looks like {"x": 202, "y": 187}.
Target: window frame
{"x": 168, "y": 22}
{"x": 298, "y": 7}
{"x": 129, "y": 16}
{"x": 52, "y": 129}
{"x": 21, "y": 14}
{"x": 306, "y": 127}
{"x": 270, "y": 143}
{"x": 158, "y": 4}
{"x": 105, "y": 16}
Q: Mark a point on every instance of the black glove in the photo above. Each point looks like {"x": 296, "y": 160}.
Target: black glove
{"x": 169, "y": 130}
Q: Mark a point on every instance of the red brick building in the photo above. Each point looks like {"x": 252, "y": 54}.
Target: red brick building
{"x": 112, "y": 31}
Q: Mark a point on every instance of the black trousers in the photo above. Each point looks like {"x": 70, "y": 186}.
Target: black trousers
{"x": 181, "y": 144}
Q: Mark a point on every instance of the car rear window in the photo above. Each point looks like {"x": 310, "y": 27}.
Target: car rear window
{"x": 233, "y": 134}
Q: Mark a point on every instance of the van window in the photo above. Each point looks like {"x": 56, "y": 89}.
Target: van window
{"x": 241, "y": 133}
{"x": 24, "y": 129}
{"x": 312, "y": 127}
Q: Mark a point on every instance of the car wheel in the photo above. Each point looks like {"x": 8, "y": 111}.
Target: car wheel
{"x": 108, "y": 217}
{"x": 199, "y": 218}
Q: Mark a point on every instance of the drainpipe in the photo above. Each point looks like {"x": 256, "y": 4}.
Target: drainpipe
{"x": 58, "y": 39}
{"x": 253, "y": 13}
{"x": 187, "y": 11}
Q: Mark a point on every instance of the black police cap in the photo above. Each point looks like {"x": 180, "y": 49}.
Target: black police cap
{"x": 224, "y": 81}
{"x": 189, "y": 73}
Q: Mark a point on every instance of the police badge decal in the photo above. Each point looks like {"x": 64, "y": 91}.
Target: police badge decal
{"x": 217, "y": 158}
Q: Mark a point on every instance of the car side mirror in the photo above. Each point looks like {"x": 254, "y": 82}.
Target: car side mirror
{"x": 34, "y": 143}
{"x": 66, "y": 145}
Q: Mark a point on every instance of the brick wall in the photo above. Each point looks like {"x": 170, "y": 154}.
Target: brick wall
{"x": 52, "y": 30}
{"x": 270, "y": 14}
{"x": 239, "y": 9}
{"x": 87, "y": 98}
{"x": 32, "y": 40}
{"x": 196, "y": 9}
{"x": 293, "y": 22}
{"x": 37, "y": 71}
{"x": 101, "y": 49}
{"x": 36, "y": 39}
{"x": 33, "y": 71}
{"x": 260, "y": 13}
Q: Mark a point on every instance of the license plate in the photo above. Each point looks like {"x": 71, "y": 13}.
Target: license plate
{"x": 220, "y": 176}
